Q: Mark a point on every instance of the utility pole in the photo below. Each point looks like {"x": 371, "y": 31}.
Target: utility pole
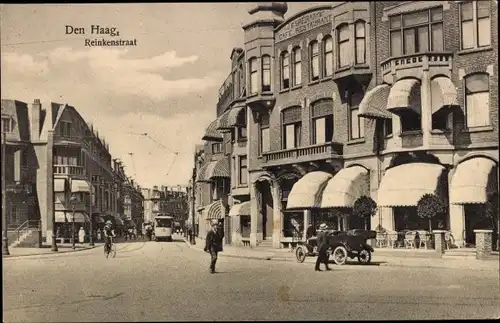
{"x": 5, "y": 240}
{"x": 91, "y": 239}
{"x": 193, "y": 178}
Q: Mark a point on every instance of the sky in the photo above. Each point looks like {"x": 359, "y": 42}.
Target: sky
{"x": 166, "y": 86}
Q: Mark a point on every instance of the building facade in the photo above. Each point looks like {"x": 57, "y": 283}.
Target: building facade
{"x": 167, "y": 200}
{"x": 382, "y": 99}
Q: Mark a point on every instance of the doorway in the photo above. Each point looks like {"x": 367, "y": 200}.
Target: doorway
{"x": 267, "y": 210}
{"x": 474, "y": 220}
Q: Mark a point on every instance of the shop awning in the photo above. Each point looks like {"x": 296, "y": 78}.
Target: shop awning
{"x": 443, "y": 93}
{"x": 229, "y": 119}
{"x": 399, "y": 96}
{"x": 62, "y": 217}
{"x": 214, "y": 211}
{"x": 469, "y": 184}
{"x": 59, "y": 185}
{"x": 346, "y": 187}
{"x": 308, "y": 190}
{"x": 404, "y": 185}
{"x": 211, "y": 132}
{"x": 219, "y": 168}
{"x": 374, "y": 103}
{"x": 240, "y": 209}
{"x": 78, "y": 185}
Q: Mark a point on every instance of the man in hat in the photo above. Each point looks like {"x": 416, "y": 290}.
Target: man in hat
{"x": 213, "y": 244}
{"x": 322, "y": 247}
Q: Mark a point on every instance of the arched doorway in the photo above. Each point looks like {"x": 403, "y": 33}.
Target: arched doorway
{"x": 266, "y": 208}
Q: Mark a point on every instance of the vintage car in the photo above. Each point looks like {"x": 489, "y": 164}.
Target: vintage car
{"x": 341, "y": 245}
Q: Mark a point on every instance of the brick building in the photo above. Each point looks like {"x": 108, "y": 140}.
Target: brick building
{"x": 384, "y": 99}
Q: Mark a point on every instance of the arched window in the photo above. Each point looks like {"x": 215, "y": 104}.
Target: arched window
{"x": 297, "y": 66}
{"x": 266, "y": 73}
{"x": 252, "y": 62}
{"x": 285, "y": 70}
{"x": 360, "y": 39}
{"x": 314, "y": 57}
{"x": 477, "y": 100}
{"x": 291, "y": 119}
{"x": 343, "y": 50}
{"x": 328, "y": 56}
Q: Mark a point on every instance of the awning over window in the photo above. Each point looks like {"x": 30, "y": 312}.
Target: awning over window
{"x": 202, "y": 175}
{"x": 219, "y": 168}
{"x": 59, "y": 185}
{"x": 404, "y": 185}
{"x": 214, "y": 211}
{"x": 64, "y": 216}
{"x": 307, "y": 191}
{"x": 399, "y": 96}
{"x": 470, "y": 181}
{"x": 229, "y": 119}
{"x": 346, "y": 187}
{"x": 78, "y": 185}
{"x": 444, "y": 94}
{"x": 374, "y": 103}
{"x": 211, "y": 133}
{"x": 240, "y": 209}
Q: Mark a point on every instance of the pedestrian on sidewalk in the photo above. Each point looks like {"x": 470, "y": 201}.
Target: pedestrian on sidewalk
{"x": 213, "y": 244}
{"x": 322, "y": 240}
{"x": 81, "y": 235}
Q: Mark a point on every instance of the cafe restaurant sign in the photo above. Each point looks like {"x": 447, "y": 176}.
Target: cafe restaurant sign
{"x": 304, "y": 23}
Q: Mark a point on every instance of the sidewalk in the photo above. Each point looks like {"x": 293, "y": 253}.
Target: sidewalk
{"x": 46, "y": 250}
{"x": 426, "y": 259}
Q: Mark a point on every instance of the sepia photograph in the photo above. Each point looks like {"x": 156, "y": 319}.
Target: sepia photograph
{"x": 250, "y": 161}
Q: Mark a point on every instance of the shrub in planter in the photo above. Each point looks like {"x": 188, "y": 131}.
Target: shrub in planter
{"x": 430, "y": 206}
{"x": 364, "y": 207}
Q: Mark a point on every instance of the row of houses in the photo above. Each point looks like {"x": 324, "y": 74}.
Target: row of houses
{"x": 56, "y": 162}
{"x": 168, "y": 200}
{"x": 386, "y": 99}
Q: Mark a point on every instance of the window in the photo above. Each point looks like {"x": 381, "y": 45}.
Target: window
{"x": 410, "y": 120}
{"x": 360, "y": 42}
{"x": 242, "y": 133}
{"x": 297, "y": 66}
{"x": 7, "y": 125}
{"x": 314, "y": 54}
{"x": 264, "y": 134}
{"x": 475, "y": 24}
{"x": 417, "y": 32}
{"x": 344, "y": 52}
{"x": 241, "y": 120}
{"x": 322, "y": 121}
{"x": 253, "y": 75}
{"x": 243, "y": 170}
{"x": 266, "y": 73}
{"x": 292, "y": 124}
{"x": 328, "y": 56}
{"x": 285, "y": 70}
{"x": 477, "y": 100}
{"x": 216, "y": 148}
{"x": 356, "y": 123}
{"x": 65, "y": 129}
{"x": 242, "y": 79}
{"x": 387, "y": 127}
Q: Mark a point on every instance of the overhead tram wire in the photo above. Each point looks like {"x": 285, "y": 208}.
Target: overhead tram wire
{"x": 133, "y": 164}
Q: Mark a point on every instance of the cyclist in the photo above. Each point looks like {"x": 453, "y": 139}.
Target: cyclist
{"x": 108, "y": 233}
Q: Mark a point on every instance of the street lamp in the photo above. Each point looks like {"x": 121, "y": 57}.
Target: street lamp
{"x": 73, "y": 202}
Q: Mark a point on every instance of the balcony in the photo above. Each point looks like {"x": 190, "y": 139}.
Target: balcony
{"x": 361, "y": 73}
{"x": 303, "y": 154}
{"x": 396, "y": 68}
{"x": 226, "y": 94}
{"x": 67, "y": 140}
{"x": 69, "y": 170}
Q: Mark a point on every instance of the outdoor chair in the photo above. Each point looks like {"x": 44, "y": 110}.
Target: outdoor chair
{"x": 392, "y": 237}
{"x": 425, "y": 238}
{"x": 410, "y": 240}
{"x": 381, "y": 239}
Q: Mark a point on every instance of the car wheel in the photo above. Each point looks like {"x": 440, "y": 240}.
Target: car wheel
{"x": 340, "y": 255}
{"x": 365, "y": 256}
{"x": 300, "y": 253}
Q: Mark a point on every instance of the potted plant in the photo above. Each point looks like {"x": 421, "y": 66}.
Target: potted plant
{"x": 430, "y": 206}
{"x": 365, "y": 207}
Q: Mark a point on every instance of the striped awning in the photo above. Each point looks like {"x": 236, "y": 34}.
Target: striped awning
{"x": 214, "y": 211}
{"x": 443, "y": 94}
{"x": 59, "y": 185}
{"x": 229, "y": 119}
{"x": 374, "y": 103}
{"x": 240, "y": 209}
{"x": 307, "y": 191}
{"x": 346, "y": 187}
{"x": 217, "y": 169}
{"x": 399, "y": 96}
{"x": 202, "y": 172}
{"x": 78, "y": 185}
{"x": 211, "y": 132}
{"x": 469, "y": 184}
{"x": 63, "y": 216}
{"x": 404, "y": 185}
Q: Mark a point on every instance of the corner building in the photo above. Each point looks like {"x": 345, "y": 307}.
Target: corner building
{"x": 384, "y": 99}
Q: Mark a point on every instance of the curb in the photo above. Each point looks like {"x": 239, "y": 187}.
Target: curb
{"x": 286, "y": 259}
{"x": 50, "y": 254}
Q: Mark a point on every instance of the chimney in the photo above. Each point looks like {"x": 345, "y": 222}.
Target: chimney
{"x": 34, "y": 115}
{"x": 155, "y": 188}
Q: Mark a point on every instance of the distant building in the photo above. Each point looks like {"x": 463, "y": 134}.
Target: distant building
{"x": 166, "y": 200}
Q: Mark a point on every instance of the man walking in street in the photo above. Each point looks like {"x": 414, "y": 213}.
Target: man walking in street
{"x": 322, "y": 242}
{"x": 213, "y": 244}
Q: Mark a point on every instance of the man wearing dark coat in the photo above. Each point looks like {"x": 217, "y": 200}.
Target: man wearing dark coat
{"x": 213, "y": 244}
{"x": 322, "y": 240}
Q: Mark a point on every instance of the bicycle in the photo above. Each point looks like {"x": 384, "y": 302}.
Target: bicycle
{"x": 110, "y": 250}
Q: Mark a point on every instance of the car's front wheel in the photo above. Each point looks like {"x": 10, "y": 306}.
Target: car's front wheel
{"x": 340, "y": 255}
